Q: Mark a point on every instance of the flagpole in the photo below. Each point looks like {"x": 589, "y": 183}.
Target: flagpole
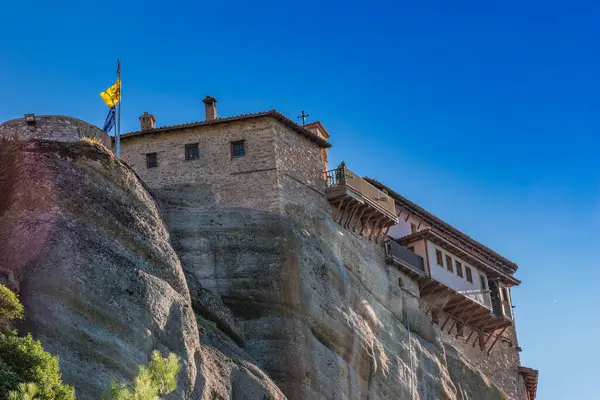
{"x": 118, "y": 124}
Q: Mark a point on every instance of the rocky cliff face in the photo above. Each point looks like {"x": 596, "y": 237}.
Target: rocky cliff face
{"x": 258, "y": 305}
{"x": 84, "y": 244}
{"x": 317, "y": 305}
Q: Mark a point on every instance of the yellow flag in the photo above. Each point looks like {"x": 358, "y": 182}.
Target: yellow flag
{"x": 112, "y": 95}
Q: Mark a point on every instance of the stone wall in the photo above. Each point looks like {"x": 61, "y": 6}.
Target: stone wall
{"x": 52, "y": 127}
{"x": 300, "y": 170}
{"x": 279, "y": 168}
{"x": 249, "y": 181}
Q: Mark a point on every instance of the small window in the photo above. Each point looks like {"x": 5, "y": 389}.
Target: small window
{"x": 191, "y": 152}
{"x": 151, "y": 160}
{"x": 411, "y": 248}
{"x": 449, "y": 263}
{"x": 435, "y": 316}
{"x": 400, "y": 282}
{"x": 469, "y": 274}
{"x": 482, "y": 280}
{"x": 440, "y": 259}
{"x": 505, "y": 294}
{"x": 459, "y": 271}
{"x": 238, "y": 149}
{"x": 413, "y": 228}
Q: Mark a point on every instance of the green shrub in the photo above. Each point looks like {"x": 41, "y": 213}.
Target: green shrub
{"x": 26, "y": 391}
{"x": 26, "y": 370}
{"x": 159, "y": 377}
{"x": 10, "y": 307}
{"x": 24, "y": 361}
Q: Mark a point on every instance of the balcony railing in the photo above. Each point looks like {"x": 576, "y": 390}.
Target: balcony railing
{"x": 342, "y": 176}
{"x": 400, "y": 255}
{"x": 481, "y": 296}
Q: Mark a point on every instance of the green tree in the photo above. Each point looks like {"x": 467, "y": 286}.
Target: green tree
{"x": 158, "y": 378}
{"x": 26, "y": 370}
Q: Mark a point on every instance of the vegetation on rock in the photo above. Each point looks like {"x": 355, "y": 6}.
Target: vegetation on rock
{"x": 26, "y": 370}
{"x": 159, "y": 377}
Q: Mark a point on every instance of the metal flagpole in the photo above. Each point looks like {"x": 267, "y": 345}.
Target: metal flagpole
{"x": 118, "y": 124}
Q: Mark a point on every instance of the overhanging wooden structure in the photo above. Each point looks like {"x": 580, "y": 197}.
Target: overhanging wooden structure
{"x": 530, "y": 377}
{"x": 462, "y": 308}
{"x": 358, "y": 205}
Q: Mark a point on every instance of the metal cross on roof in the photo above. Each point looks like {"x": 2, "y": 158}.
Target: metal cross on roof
{"x": 303, "y": 117}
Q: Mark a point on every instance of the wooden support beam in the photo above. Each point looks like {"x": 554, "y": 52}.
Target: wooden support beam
{"x": 365, "y": 208}
{"x": 487, "y": 340}
{"x": 349, "y": 219}
{"x": 400, "y": 212}
{"x": 342, "y": 217}
{"x": 341, "y": 204}
{"x": 476, "y": 329}
{"x": 379, "y": 228}
{"x": 374, "y": 226}
{"x": 446, "y": 321}
{"x": 441, "y": 293}
{"x": 446, "y": 297}
{"x": 497, "y": 337}
{"x": 365, "y": 224}
{"x": 475, "y": 312}
{"x": 458, "y": 306}
{"x": 482, "y": 330}
{"x": 387, "y": 230}
{"x": 408, "y": 216}
{"x": 459, "y": 317}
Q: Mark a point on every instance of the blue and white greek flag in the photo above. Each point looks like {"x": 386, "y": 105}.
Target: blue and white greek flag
{"x": 110, "y": 120}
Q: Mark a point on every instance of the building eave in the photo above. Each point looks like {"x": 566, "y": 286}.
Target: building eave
{"x": 445, "y": 227}
{"x": 274, "y": 114}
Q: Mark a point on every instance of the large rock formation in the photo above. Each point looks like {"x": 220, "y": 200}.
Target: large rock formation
{"x": 318, "y": 306}
{"x": 84, "y": 243}
{"x": 256, "y": 304}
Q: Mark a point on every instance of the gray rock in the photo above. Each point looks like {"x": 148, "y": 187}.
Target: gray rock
{"x": 100, "y": 282}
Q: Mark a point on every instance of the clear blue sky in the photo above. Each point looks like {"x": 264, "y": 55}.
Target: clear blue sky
{"x": 486, "y": 115}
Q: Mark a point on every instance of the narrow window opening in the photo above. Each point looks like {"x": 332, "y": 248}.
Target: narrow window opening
{"x": 469, "y": 274}
{"x": 459, "y": 270}
{"x": 449, "y": 263}
{"x": 440, "y": 258}
{"x": 238, "y": 149}
{"x": 151, "y": 160}
{"x": 435, "y": 316}
{"x": 192, "y": 152}
{"x": 413, "y": 228}
{"x": 400, "y": 282}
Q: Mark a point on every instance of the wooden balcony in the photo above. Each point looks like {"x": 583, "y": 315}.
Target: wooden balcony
{"x": 358, "y": 205}
{"x": 465, "y": 309}
{"x": 410, "y": 263}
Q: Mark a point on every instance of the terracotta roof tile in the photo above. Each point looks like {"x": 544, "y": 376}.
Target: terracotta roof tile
{"x": 243, "y": 117}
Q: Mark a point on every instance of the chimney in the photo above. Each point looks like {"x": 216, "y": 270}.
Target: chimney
{"x": 147, "y": 121}
{"x": 210, "y": 106}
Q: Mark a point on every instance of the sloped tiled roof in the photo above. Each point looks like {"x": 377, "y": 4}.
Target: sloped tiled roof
{"x": 443, "y": 226}
{"x": 265, "y": 114}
